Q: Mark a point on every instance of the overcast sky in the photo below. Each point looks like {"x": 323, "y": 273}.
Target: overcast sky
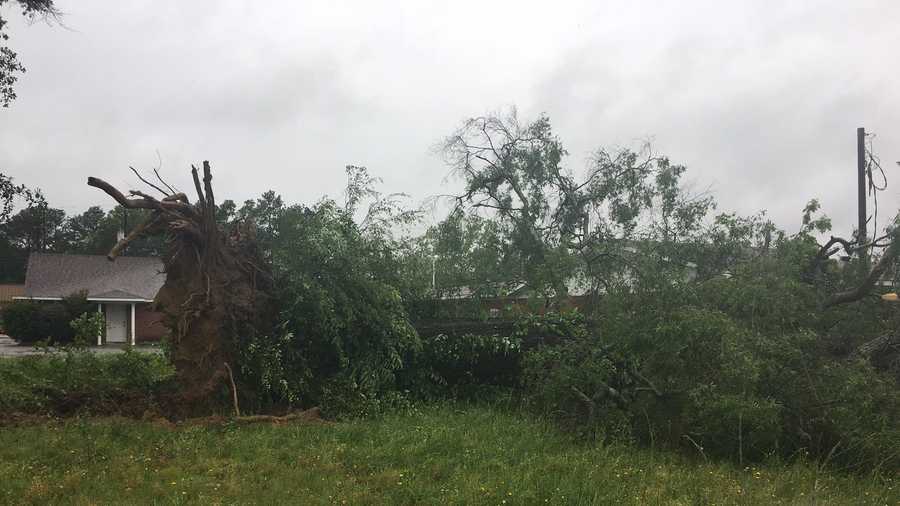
{"x": 760, "y": 99}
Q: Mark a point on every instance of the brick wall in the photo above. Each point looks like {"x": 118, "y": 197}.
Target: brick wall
{"x": 148, "y": 324}
{"x": 7, "y": 292}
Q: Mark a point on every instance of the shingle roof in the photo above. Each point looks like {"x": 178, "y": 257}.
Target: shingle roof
{"x": 55, "y": 275}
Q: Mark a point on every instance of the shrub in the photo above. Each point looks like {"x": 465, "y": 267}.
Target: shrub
{"x": 571, "y": 382}
{"x": 450, "y": 365}
{"x": 29, "y": 321}
{"x": 696, "y": 378}
{"x": 470, "y": 364}
{"x": 840, "y": 408}
{"x": 551, "y": 327}
{"x": 87, "y": 327}
{"x": 20, "y": 318}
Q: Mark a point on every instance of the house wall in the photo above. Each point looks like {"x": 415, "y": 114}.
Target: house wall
{"x": 8, "y": 291}
{"x": 148, "y": 324}
{"x": 505, "y": 305}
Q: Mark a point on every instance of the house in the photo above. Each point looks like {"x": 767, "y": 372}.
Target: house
{"x": 123, "y": 290}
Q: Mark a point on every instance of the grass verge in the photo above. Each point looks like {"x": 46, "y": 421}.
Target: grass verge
{"x": 437, "y": 455}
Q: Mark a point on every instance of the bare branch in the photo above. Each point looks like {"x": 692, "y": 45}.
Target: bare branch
{"x": 120, "y": 198}
{"x": 161, "y": 180}
{"x": 148, "y": 183}
{"x": 647, "y": 382}
{"x": 234, "y": 395}
{"x": 147, "y": 202}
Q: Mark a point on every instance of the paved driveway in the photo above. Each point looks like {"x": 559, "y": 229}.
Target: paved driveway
{"x": 9, "y": 348}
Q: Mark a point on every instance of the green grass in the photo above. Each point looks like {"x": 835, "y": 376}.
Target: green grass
{"x": 439, "y": 455}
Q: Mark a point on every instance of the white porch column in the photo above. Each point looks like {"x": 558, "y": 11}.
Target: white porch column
{"x": 100, "y": 334}
{"x": 133, "y": 341}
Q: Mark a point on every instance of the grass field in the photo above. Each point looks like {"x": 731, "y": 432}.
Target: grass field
{"x": 438, "y": 455}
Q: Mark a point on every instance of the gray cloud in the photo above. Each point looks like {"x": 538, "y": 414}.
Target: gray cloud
{"x": 759, "y": 99}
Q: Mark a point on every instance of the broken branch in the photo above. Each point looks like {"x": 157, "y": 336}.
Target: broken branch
{"x": 146, "y": 202}
{"x": 134, "y": 234}
{"x": 207, "y": 186}
{"x": 874, "y": 275}
{"x": 197, "y": 187}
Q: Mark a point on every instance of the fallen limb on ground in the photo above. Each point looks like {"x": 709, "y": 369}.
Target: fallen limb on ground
{"x": 310, "y": 415}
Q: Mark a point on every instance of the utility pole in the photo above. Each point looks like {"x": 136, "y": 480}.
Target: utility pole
{"x": 433, "y": 273}
{"x": 861, "y": 235}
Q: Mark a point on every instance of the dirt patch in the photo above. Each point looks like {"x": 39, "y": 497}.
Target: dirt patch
{"x": 155, "y": 418}
{"x": 25, "y": 419}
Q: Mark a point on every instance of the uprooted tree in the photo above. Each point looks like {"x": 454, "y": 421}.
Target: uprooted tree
{"x": 218, "y": 290}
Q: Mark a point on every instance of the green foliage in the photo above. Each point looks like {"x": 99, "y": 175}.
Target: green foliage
{"x": 9, "y": 61}
{"x": 346, "y": 400}
{"x": 742, "y": 366}
{"x": 344, "y": 332}
{"x": 840, "y": 407}
{"x": 570, "y": 382}
{"x": 467, "y": 252}
{"x": 81, "y": 381}
{"x": 344, "y": 328}
{"x": 458, "y": 366}
{"x": 37, "y": 227}
{"x": 87, "y": 327}
{"x": 553, "y": 324}
{"x": 557, "y": 228}
{"x": 28, "y": 321}
{"x": 265, "y": 212}
{"x": 9, "y": 192}
{"x": 20, "y": 320}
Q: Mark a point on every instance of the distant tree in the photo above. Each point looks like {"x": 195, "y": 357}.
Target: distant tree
{"x": 9, "y": 61}
{"x": 383, "y": 221}
{"x": 226, "y": 211}
{"x": 95, "y": 232}
{"x": 127, "y": 220}
{"x": 82, "y": 232}
{"x": 9, "y": 192}
{"x": 564, "y": 226}
{"x": 12, "y": 255}
{"x": 264, "y": 213}
{"x": 36, "y": 228}
{"x": 471, "y": 252}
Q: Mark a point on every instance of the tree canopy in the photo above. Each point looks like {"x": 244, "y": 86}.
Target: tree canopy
{"x": 10, "y": 65}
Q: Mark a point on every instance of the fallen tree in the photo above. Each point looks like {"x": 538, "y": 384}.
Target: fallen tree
{"x": 217, "y": 292}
